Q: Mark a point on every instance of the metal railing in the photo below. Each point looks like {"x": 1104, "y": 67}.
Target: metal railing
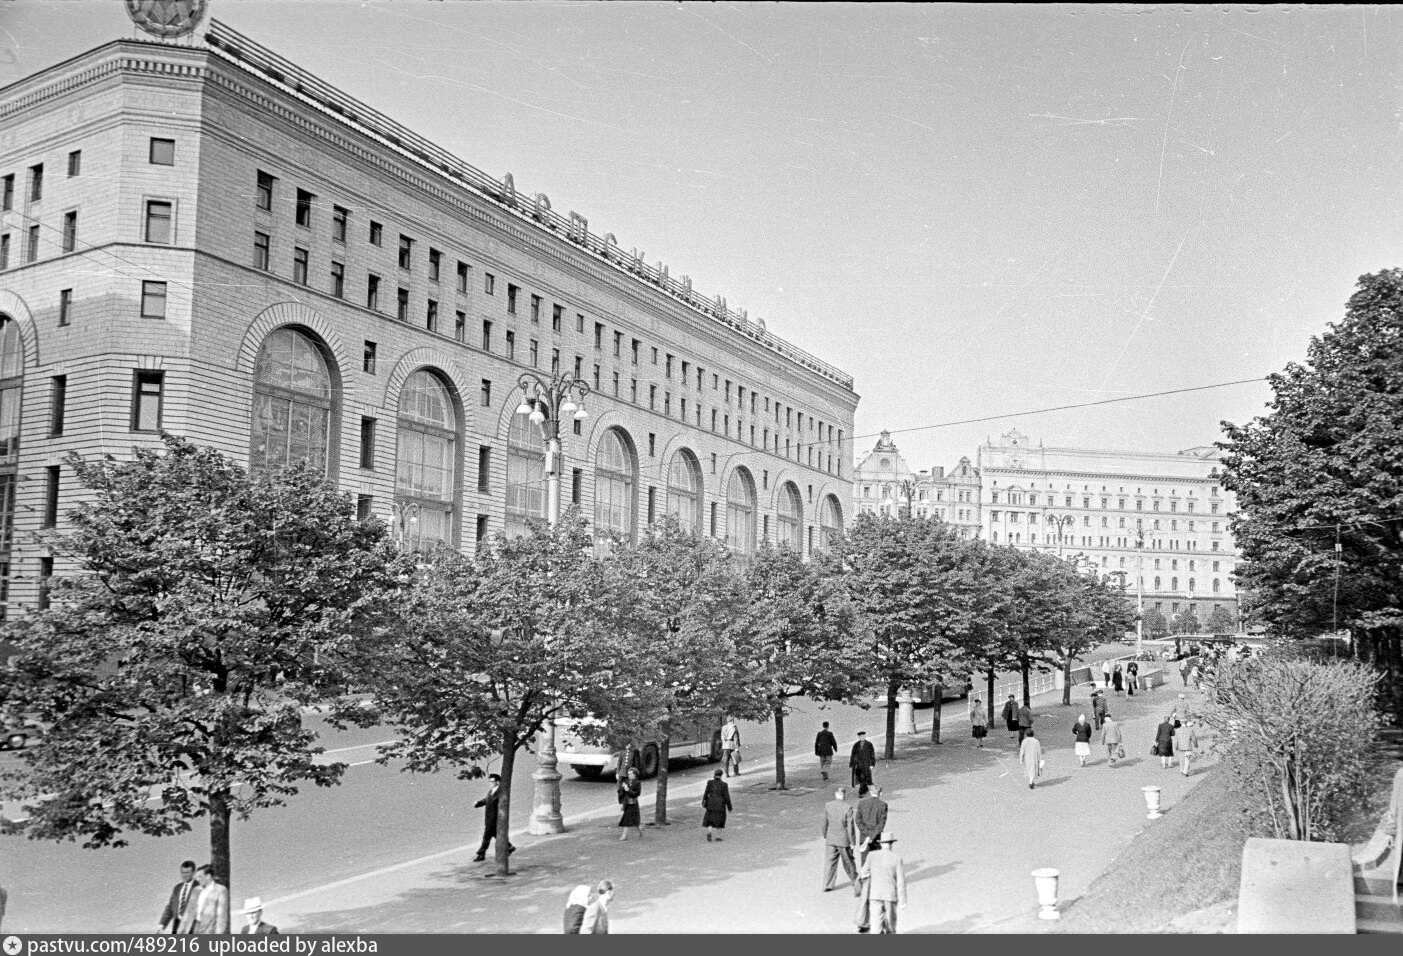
{"x": 239, "y": 49}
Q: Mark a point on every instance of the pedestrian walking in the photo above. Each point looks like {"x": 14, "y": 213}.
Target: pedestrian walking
{"x": 1106, "y": 673}
{"x": 825, "y": 746}
{"x": 575, "y": 908}
{"x": 1164, "y": 743}
{"x": 1025, "y": 722}
{"x": 730, "y": 746}
{"x": 1184, "y": 671}
{"x": 1117, "y": 680}
{"x": 1132, "y": 673}
{"x": 978, "y": 723}
{"x": 1196, "y": 677}
{"x": 1111, "y": 737}
{"x": 884, "y": 883}
{"x": 1030, "y": 753}
{"x": 253, "y": 912}
{"x": 174, "y": 913}
{"x": 837, "y": 840}
{"x": 1188, "y": 747}
{"x": 630, "y": 789}
{"x": 715, "y": 802}
{"x": 492, "y": 802}
{"x": 1081, "y": 732}
{"x": 862, "y": 759}
{"x": 209, "y": 913}
{"x": 1099, "y": 708}
{"x": 869, "y": 818}
{"x": 597, "y": 913}
{"x": 1010, "y": 715}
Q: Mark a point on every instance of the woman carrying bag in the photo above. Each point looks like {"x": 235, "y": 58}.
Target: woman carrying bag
{"x": 629, "y": 791}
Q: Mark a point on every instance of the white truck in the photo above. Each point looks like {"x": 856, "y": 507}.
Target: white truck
{"x": 700, "y": 740}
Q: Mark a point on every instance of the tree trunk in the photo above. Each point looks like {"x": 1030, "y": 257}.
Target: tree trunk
{"x": 780, "y": 783}
{"x": 504, "y": 804}
{"x": 219, "y": 837}
{"x": 935, "y": 714}
{"x": 660, "y": 791}
{"x": 989, "y": 682}
{"x": 1024, "y": 667}
{"x": 890, "y": 750}
{"x": 1066, "y": 677}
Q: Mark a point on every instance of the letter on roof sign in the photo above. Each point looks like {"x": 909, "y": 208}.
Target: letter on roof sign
{"x": 579, "y": 227}
{"x": 509, "y": 189}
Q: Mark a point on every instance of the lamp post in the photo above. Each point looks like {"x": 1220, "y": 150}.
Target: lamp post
{"x": 406, "y": 520}
{"x": 907, "y": 489}
{"x": 1059, "y": 522}
{"x": 1139, "y": 592}
{"x": 545, "y": 400}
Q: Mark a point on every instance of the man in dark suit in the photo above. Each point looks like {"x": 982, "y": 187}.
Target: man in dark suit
{"x": 870, "y": 818}
{"x": 1010, "y": 715}
{"x": 837, "y": 840}
{"x": 1025, "y": 721}
{"x": 489, "y": 822}
{"x": 825, "y": 746}
{"x": 180, "y": 898}
{"x": 862, "y": 759}
{"x": 253, "y": 909}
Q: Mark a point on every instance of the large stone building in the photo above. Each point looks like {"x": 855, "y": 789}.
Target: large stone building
{"x": 1159, "y": 519}
{"x": 206, "y": 239}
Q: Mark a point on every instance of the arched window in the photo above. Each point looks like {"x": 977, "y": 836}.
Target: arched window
{"x": 291, "y": 403}
{"x": 1156, "y": 584}
{"x": 615, "y": 484}
{"x": 830, "y": 520}
{"x": 684, "y": 490}
{"x": 790, "y": 518}
{"x": 1215, "y": 585}
{"x": 11, "y": 388}
{"x": 1173, "y": 584}
{"x": 1191, "y": 584}
{"x": 526, "y": 475}
{"x": 426, "y": 484}
{"x": 740, "y": 512}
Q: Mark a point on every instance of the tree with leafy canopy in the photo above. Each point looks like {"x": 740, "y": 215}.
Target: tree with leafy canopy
{"x": 1319, "y": 485}
{"x": 798, "y": 637}
{"x": 913, "y": 594}
{"x": 1153, "y": 623}
{"x": 685, "y": 594}
{"x": 1221, "y": 621}
{"x": 492, "y": 647}
{"x": 205, "y": 608}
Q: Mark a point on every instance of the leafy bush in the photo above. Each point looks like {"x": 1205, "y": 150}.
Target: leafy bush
{"x": 1298, "y": 735}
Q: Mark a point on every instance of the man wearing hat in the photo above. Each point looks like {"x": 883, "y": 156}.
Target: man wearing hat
{"x": 862, "y": 760}
{"x": 885, "y": 876}
{"x": 253, "y": 909}
{"x": 489, "y": 821}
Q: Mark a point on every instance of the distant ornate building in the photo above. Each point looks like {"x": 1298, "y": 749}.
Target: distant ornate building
{"x": 883, "y": 483}
{"x": 1160, "y": 519}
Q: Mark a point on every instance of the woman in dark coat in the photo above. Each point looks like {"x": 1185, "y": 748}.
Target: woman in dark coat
{"x": 1081, "y": 731}
{"x": 629, "y": 791}
{"x": 1132, "y": 674}
{"x": 1164, "y": 743}
{"x": 715, "y": 801}
{"x": 1117, "y": 679}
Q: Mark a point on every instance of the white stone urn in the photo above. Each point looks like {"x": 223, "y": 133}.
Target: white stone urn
{"x": 1152, "y": 801}
{"x": 1045, "y": 880}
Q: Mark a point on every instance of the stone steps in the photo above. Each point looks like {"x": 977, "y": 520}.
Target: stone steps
{"x": 1374, "y": 909}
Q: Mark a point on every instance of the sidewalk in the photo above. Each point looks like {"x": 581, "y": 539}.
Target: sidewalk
{"x": 968, "y": 828}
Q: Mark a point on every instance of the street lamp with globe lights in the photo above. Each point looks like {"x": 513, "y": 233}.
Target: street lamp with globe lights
{"x": 907, "y": 490}
{"x": 1059, "y": 522}
{"x": 545, "y": 401}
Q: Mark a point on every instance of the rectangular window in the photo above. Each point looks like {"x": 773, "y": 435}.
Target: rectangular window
{"x": 511, "y": 343}
{"x": 486, "y": 335}
{"x": 402, "y": 305}
{"x": 652, "y": 397}
{"x": 65, "y": 306}
{"x": 153, "y": 300}
{"x": 484, "y": 468}
{"x": 616, "y": 384}
{"x": 299, "y": 266}
{"x": 579, "y": 323}
{"x": 535, "y": 353}
{"x": 339, "y": 217}
{"x": 367, "y": 443}
{"x": 481, "y": 530}
{"x": 36, "y": 182}
{"x": 263, "y": 197}
{"x": 618, "y": 343}
{"x": 431, "y": 316}
{"x": 58, "y": 398}
{"x": 406, "y": 252}
{"x": 652, "y": 445}
{"x": 577, "y": 482}
{"x": 511, "y": 299}
{"x": 5, "y": 251}
{"x": 7, "y": 193}
{"x": 599, "y": 336}
{"x": 460, "y": 326}
{"x": 667, "y": 367}
{"x": 147, "y": 388}
{"x": 463, "y": 278}
{"x": 536, "y": 309}
{"x": 655, "y": 356}
{"x": 260, "y": 251}
{"x": 636, "y": 344}
{"x": 555, "y": 361}
{"x": 489, "y": 283}
{"x": 652, "y": 504}
{"x": 376, "y": 233}
{"x": 158, "y": 221}
{"x": 633, "y": 391}
{"x": 713, "y": 519}
{"x": 365, "y": 506}
{"x": 435, "y": 264}
{"x": 46, "y": 574}
{"x": 596, "y": 378}
{"x": 367, "y": 363}
{"x": 70, "y": 230}
{"x": 556, "y": 316}
{"x": 486, "y": 393}
{"x": 713, "y": 419}
{"x": 304, "y": 208}
{"x": 372, "y": 292}
{"x": 338, "y": 280}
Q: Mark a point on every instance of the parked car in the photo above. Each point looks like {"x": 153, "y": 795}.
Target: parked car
{"x": 17, "y": 736}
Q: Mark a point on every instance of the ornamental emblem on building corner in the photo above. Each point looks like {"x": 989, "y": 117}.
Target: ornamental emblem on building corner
{"x": 167, "y": 19}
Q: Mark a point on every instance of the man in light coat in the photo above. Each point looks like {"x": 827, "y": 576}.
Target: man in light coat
{"x": 1110, "y": 736}
{"x": 885, "y": 874}
{"x": 837, "y": 840}
{"x": 209, "y": 913}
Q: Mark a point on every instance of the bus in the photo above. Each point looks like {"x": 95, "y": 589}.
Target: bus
{"x": 698, "y": 740}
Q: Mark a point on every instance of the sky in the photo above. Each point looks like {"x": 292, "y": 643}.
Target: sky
{"x": 979, "y": 212}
